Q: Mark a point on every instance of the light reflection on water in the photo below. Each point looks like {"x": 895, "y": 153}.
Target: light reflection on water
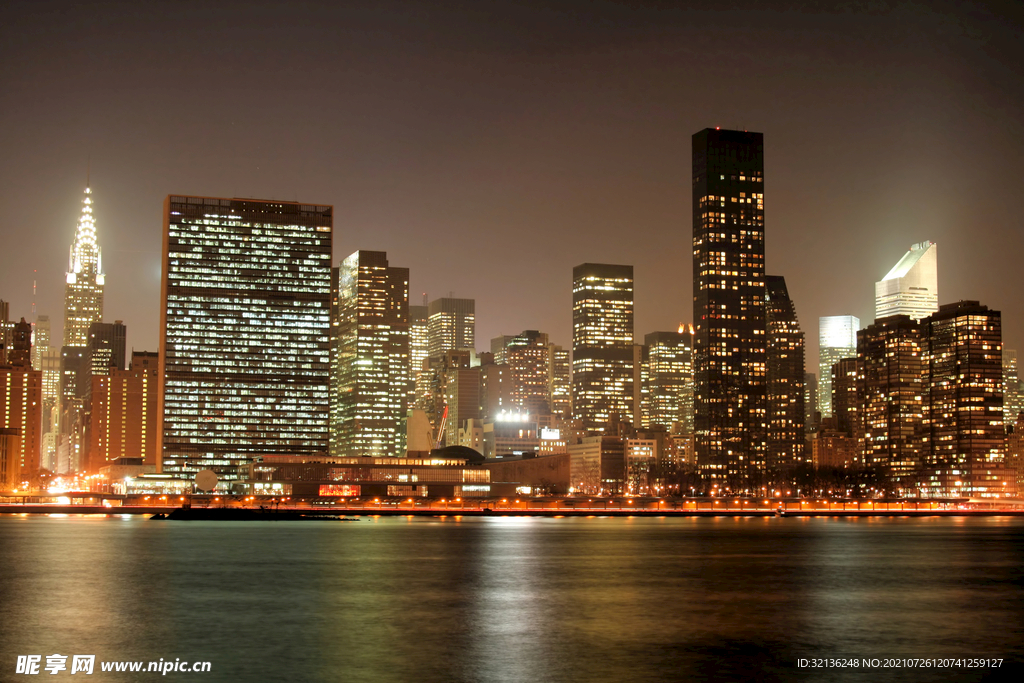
{"x": 514, "y": 598}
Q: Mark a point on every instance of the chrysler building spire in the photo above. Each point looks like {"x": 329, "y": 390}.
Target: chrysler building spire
{"x": 83, "y": 293}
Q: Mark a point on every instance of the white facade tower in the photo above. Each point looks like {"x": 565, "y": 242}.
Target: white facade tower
{"x": 912, "y": 286}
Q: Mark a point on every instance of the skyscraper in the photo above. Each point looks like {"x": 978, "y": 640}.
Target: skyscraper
{"x": 370, "y": 368}
{"x": 602, "y": 344}
{"x": 837, "y": 339}
{"x": 729, "y": 305}
{"x": 419, "y": 351}
{"x": 527, "y": 356}
{"x": 451, "y": 325}
{"x": 106, "y": 347}
{"x": 890, "y": 378}
{"x": 1011, "y": 387}
{"x": 244, "y": 326}
{"x": 912, "y": 286}
{"x": 669, "y": 395}
{"x": 963, "y": 445}
{"x": 786, "y": 443}
{"x": 559, "y": 381}
{"x": 83, "y": 291}
{"x": 21, "y": 406}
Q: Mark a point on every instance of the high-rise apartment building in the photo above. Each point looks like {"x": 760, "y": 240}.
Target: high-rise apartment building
{"x": 837, "y": 339}
{"x": 244, "y": 329}
{"x": 83, "y": 291}
{"x": 787, "y": 446}
{"x": 668, "y": 395}
{"x": 730, "y": 354}
{"x": 602, "y": 344}
{"x": 912, "y": 286}
{"x": 890, "y": 388}
{"x": 370, "y": 369}
{"x": 963, "y": 445}
{"x": 451, "y": 325}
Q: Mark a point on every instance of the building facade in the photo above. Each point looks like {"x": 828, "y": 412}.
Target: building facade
{"x": 890, "y": 384}
{"x": 451, "y": 325}
{"x": 787, "y": 445}
{"x": 123, "y": 414}
{"x": 963, "y": 444}
{"x": 602, "y": 344}
{"x": 837, "y": 339}
{"x": 83, "y": 291}
{"x": 668, "y": 394}
{"x": 730, "y": 354}
{"x": 370, "y": 368}
{"x": 911, "y": 288}
{"x": 244, "y": 367}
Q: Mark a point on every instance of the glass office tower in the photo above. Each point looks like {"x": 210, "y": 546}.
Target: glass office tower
{"x": 244, "y": 366}
{"x": 602, "y": 344}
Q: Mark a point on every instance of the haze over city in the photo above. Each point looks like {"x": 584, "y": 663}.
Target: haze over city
{"x": 490, "y": 149}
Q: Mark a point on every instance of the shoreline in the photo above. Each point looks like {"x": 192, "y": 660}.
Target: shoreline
{"x": 314, "y": 513}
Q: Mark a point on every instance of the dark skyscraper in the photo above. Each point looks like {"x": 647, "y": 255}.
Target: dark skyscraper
{"x": 786, "y": 443}
{"x": 106, "y": 347}
{"x": 602, "y": 344}
{"x": 244, "y": 367}
{"x": 729, "y": 304}
{"x": 963, "y": 449}
{"x": 890, "y": 380}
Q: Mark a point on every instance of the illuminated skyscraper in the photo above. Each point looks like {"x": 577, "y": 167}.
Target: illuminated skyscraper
{"x": 370, "y": 369}
{"x": 451, "y": 325}
{"x": 245, "y": 323}
{"x": 668, "y": 398}
{"x": 786, "y": 443}
{"x": 963, "y": 445}
{"x": 527, "y": 356}
{"x": 837, "y": 339}
{"x": 559, "y": 381}
{"x": 912, "y": 286}
{"x": 602, "y": 344}
{"x": 21, "y": 406}
{"x": 419, "y": 351}
{"x": 83, "y": 291}
{"x": 1011, "y": 388}
{"x": 729, "y": 305}
{"x": 890, "y": 383}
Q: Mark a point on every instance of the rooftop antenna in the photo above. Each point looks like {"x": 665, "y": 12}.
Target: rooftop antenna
{"x": 424, "y": 298}
{"x": 34, "y": 271}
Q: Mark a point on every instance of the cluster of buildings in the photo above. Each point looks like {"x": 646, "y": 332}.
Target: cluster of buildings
{"x": 284, "y": 372}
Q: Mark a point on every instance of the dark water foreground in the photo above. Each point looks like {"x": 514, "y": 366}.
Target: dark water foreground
{"x": 516, "y": 598}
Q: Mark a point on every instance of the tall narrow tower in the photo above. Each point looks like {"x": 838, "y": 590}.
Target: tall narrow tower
{"x": 83, "y": 291}
{"x": 370, "y": 368}
{"x": 602, "y": 344}
{"x": 729, "y": 305}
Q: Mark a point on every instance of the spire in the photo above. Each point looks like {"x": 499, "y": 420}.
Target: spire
{"x": 85, "y": 254}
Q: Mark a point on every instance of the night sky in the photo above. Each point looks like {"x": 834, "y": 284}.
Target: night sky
{"x": 490, "y": 146}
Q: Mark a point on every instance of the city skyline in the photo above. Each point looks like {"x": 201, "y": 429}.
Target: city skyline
{"x": 864, "y": 171}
